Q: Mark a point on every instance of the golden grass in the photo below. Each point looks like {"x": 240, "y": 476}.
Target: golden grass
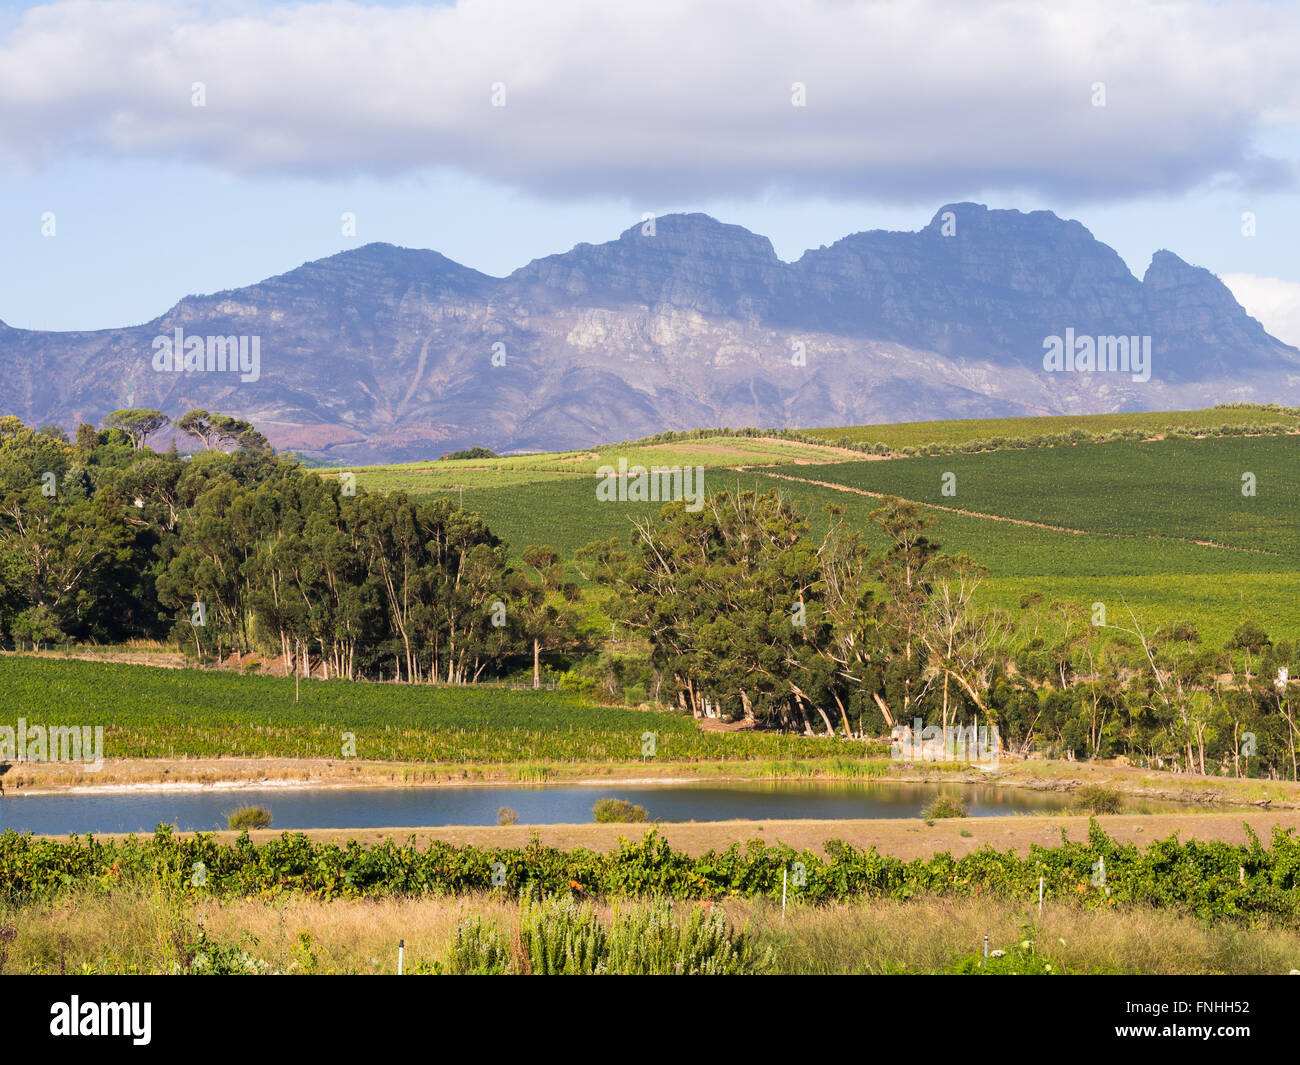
{"x": 127, "y": 932}
{"x": 1133, "y": 781}
{"x": 161, "y": 773}
{"x": 928, "y": 935}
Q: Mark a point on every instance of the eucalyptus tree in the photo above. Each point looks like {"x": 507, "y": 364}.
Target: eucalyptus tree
{"x": 542, "y": 600}
{"x": 903, "y": 570}
{"x": 837, "y": 652}
{"x": 960, "y": 638}
{"x": 462, "y": 574}
{"x": 59, "y": 539}
{"x": 730, "y": 599}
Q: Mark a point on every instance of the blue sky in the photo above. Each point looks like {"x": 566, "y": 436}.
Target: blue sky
{"x": 381, "y": 110}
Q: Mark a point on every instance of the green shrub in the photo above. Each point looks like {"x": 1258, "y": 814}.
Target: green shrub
{"x": 469, "y": 453}
{"x": 649, "y": 942}
{"x": 305, "y": 960}
{"x": 36, "y": 627}
{"x": 204, "y": 956}
{"x": 1098, "y": 799}
{"x": 477, "y": 949}
{"x": 559, "y": 937}
{"x": 944, "y": 806}
{"x": 618, "y": 811}
{"x": 1019, "y": 959}
{"x": 249, "y": 817}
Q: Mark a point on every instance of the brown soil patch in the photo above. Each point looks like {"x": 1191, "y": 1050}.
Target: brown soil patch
{"x": 712, "y": 724}
{"x": 904, "y": 838}
{"x": 161, "y": 659}
{"x": 848, "y": 453}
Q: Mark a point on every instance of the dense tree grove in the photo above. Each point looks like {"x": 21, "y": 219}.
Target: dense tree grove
{"x": 734, "y": 610}
{"x": 746, "y": 615}
{"x": 240, "y": 552}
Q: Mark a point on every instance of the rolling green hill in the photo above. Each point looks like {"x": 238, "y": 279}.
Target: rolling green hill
{"x": 1158, "y": 524}
{"x": 992, "y": 430}
{"x": 727, "y": 451}
{"x": 1171, "y": 489}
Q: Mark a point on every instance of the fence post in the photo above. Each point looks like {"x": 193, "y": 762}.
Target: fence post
{"x": 401, "y": 946}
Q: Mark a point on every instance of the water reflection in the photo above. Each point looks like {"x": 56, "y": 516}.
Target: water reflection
{"x": 538, "y": 805}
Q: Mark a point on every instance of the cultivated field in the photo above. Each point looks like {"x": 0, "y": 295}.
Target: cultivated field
{"x": 1159, "y": 525}
{"x": 165, "y": 713}
{"x": 993, "y": 430}
{"x": 1177, "y": 490}
{"x": 446, "y": 475}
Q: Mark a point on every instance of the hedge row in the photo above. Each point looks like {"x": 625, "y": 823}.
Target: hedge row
{"x": 1205, "y": 879}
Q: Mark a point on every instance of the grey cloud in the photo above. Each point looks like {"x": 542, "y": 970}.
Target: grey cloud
{"x": 672, "y": 98}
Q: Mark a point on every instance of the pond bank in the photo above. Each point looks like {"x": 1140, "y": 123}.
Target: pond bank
{"x": 535, "y": 804}
{"x": 905, "y": 838}
{"x": 180, "y": 775}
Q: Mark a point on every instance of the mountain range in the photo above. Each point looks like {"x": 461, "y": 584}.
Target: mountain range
{"x": 382, "y": 354}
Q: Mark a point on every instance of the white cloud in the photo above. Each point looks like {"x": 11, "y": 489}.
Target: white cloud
{"x": 661, "y": 98}
{"x": 1274, "y": 302}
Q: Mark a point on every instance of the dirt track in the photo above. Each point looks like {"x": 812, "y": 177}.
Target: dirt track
{"x": 1013, "y": 521}
{"x": 905, "y": 838}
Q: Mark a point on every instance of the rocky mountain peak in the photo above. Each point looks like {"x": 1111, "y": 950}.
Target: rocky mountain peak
{"x": 1189, "y": 301}
{"x": 384, "y": 353}
{"x": 698, "y": 235}
{"x": 691, "y": 261}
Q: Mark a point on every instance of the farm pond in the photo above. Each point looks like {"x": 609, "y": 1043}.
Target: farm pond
{"x": 343, "y": 808}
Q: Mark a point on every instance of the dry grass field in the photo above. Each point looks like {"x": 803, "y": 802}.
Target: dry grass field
{"x": 126, "y": 932}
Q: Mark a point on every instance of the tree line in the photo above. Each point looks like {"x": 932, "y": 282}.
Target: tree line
{"x": 735, "y": 610}
{"x": 749, "y": 616}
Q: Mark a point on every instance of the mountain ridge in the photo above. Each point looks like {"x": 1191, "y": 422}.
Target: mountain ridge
{"x": 386, "y": 353}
